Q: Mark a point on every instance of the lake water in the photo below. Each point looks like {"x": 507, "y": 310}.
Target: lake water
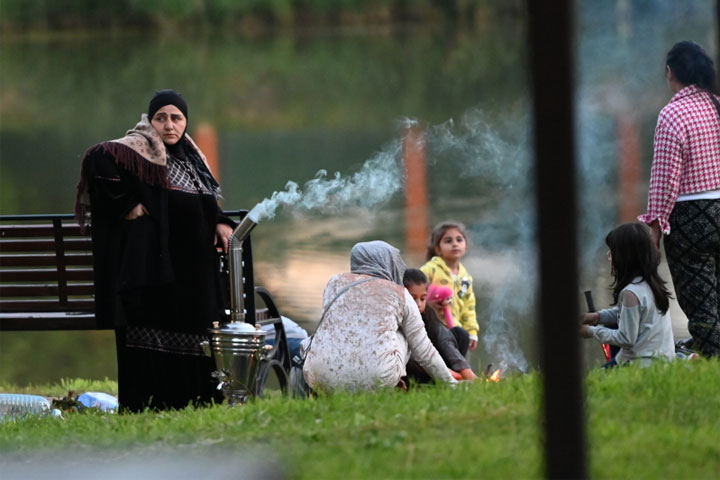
{"x": 285, "y": 106}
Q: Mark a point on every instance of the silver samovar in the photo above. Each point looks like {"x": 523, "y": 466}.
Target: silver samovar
{"x": 237, "y": 347}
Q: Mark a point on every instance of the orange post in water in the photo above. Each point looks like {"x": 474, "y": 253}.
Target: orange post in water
{"x": 629, "y": 167}
{"x": 206, "y": 138}
{"x": 417, "y": 228}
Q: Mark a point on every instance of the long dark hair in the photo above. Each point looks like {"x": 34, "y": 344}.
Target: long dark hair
{"x": 692, "y": 66}
{"x": 634, "y": 254}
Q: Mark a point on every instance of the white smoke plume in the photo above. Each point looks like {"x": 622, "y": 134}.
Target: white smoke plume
{"x": 479, "y": 149}
{"x": 376, "y": 182}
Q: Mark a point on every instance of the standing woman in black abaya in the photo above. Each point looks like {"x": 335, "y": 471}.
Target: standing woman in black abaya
{"x": 152, "y": 203}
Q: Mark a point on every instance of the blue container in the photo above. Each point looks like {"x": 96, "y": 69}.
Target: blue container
{"x": 102, "y": 401}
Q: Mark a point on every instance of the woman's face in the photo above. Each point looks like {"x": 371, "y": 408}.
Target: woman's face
{"x": 170, "y": 123}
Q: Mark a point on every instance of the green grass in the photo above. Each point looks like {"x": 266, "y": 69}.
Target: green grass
{"x": 660, "y": 422}
{"x": 77, "y": 385}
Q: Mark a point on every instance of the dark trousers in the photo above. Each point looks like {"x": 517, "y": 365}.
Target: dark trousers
{"x": 452, "y": 345}
{"x": 693, "y": 255}
{"x": 463, "y": 339}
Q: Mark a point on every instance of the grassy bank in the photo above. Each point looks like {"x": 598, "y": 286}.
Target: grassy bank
{"x": 660, "y": 422}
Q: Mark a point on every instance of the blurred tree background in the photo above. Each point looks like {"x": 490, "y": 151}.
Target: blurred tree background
{"x": 252, "y": 15}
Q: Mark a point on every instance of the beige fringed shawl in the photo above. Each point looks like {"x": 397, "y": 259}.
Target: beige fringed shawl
{"x": 141, "y": 152}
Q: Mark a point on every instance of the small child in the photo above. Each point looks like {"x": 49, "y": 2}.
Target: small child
{"x": 641, "y": 300}
{"x": 441, "y": 337}
{"x": 448, "y": 244}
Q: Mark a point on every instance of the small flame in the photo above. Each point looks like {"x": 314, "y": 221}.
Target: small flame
{"x": 494, "y": 377}
{"x": 606, "y": 351}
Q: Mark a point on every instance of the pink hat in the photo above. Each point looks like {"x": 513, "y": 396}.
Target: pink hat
{"x": 439, "y": 293}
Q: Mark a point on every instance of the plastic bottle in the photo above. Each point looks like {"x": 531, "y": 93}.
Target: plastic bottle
{"x": 16, "y": 405}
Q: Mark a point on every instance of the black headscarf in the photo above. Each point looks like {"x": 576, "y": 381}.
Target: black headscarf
{"x": 166, "y": 97}
{"x": 183, "y": 150}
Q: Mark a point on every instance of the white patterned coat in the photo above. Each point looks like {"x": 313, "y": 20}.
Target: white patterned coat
{"x": 367, "y": 337}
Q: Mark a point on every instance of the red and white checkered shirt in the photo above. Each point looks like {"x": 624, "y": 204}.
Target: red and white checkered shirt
{"x": 686, "y": 155}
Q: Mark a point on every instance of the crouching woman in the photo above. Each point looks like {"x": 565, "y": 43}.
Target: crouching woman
{"x": 370, "y": 327}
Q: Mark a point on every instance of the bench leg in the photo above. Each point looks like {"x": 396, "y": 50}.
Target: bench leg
{"x": 263, "y": 374}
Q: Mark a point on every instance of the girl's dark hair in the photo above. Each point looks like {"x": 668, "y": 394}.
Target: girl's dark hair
{"x": 635, "y": 255}
{"x": 414, "y": 276}
{"x": 438, "y": 233}
{"x": 692, "y": 66}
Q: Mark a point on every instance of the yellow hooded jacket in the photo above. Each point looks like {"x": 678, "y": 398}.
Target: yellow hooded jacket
{"x": 463, "y": 304}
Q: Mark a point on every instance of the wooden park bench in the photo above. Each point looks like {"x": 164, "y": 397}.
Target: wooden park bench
{"x": 46, "y": 283}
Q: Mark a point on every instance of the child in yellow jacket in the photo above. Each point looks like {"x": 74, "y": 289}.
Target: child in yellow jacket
{"x": 448, "y": 244}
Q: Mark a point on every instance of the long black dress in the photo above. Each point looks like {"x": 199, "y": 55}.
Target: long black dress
{"x": 156, "y": 277}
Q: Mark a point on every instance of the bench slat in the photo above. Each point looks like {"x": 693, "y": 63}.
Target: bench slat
{"x": 48, "y": 245}
{"x": 45, "y": 290}
{"x": 38, "y": 306}
{"x": 45, "y": 260}
{"x": 40, "y": 231}
{"x": 49, "y": 321}
{"x": 45, "y": 275}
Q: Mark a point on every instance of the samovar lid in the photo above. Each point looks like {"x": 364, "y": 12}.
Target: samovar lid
{"x": 238, "y": 328}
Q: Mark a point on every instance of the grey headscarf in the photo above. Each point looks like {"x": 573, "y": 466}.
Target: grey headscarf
{"x": 378, "y": 259}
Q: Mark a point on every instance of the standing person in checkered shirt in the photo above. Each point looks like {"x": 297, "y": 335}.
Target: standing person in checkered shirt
{"x": 684, "y": 196}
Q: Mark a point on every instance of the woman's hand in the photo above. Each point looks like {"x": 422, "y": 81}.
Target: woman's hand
{"x": 455, "y": 374}
{"x": 592, "y": 318}
{"x": 222, "y": 235}
{"x": 655, "y": 233}
{"x": 472, "y": 345}
{"x": 138, "y": 211}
